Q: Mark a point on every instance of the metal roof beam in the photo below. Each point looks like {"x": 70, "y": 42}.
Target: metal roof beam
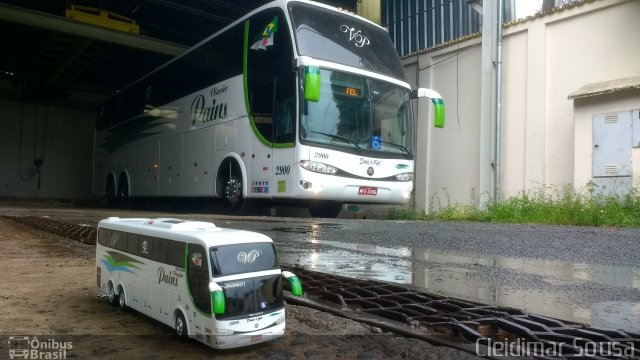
{"x": 59, "y": 24}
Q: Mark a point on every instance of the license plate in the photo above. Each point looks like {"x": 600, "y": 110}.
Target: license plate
{"x": 256, "y": 338}
{"x": 367, "y": 190}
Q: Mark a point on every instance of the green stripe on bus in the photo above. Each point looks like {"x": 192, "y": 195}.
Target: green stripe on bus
{"x": 245, "y": 56}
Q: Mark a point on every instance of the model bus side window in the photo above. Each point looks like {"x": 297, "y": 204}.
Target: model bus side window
{"x": 198, "y": 277}
{"x": 175, "y": 253}
{"x": 133, "y": 244}
{"x": 102, "y": 236}
{"x": 160, "y": 250}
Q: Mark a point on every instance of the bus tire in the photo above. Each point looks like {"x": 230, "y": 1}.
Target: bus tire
{"x": 110, "y": 192}
{"x": 230, "y": 179}
{"x": 325, "y": 209}
{"x": 123, "y": 192}
{"x": 122, "y": 300}
{"x": 180, "y": 327}
{"x": 112, "y": 296}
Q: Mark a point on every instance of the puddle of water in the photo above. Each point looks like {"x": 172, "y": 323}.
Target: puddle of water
{"x": 602, "y": 296}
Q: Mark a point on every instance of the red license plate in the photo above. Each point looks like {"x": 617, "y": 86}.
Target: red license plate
{"x": 367, "y": 190}
{"x": 256, "y": 338}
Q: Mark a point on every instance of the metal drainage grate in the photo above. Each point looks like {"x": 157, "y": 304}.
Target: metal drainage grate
{"x": 461, "y": 324}
{"x": 84, "y": 234}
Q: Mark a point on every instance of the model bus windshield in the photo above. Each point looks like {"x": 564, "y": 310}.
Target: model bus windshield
{"x": 358, "y": 113}
{"x": 242, "y": 258}
{"x": 328, "y": 35}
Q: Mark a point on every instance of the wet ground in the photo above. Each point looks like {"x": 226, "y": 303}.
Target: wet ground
{"x": 587, "y": 275}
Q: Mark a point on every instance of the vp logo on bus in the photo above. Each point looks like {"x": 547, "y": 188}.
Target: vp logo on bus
{"x": 356, "y": 36}
{"x": 244, "y": 258}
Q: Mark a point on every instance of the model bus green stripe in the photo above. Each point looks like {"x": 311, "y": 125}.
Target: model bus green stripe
{"x": 245, "y": 55}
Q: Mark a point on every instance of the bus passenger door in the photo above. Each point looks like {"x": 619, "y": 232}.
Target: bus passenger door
{"x": 284, "y": 135}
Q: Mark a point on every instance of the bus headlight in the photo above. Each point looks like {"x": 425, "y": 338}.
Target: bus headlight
{"x": 280, "y": 320}
{"x": 405, "y": 176}
{"x": 318, "y": 167}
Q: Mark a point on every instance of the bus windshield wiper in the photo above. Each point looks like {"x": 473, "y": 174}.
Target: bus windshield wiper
{"x": 401, "y": 147}
{"x": 343, "y": 138}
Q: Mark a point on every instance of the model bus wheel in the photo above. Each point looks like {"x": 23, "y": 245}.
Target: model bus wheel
{"x": 325, "y": 209}
{"x": 113, "y": 297}
{"x": 122, "y": 301}
{"x": 181, "y": 327}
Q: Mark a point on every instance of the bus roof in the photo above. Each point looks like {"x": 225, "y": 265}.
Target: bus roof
{"x": 205, "y": 233}
{"x": 275, "y": 3}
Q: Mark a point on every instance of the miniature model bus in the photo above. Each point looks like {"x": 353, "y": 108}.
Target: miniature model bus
{"x": 222, "y": 287}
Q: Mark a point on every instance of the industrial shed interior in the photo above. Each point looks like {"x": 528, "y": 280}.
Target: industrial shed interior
{"x": 59, "y": 60}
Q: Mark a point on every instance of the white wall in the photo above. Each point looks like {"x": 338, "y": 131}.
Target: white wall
{"x": 544, "y": 60}
{"x": 63, "y": 138}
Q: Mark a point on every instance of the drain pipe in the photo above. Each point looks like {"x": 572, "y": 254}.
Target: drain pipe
{"x": 498, "y": 146}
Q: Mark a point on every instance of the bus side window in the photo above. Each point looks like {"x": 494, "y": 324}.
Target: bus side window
{"x": 175, "y": 253}
{"x": 262, "y": 109}
{"x": 198, "y": 277}
{"x": 285, "y": 109}
{"x": 146, "y": 246}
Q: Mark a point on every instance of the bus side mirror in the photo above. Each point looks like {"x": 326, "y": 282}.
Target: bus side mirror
{"x": 217, "y": 298}
{"x": 296, "y": 286}
{"x": 438, "y": 104}
{"x": 312, "y": 83}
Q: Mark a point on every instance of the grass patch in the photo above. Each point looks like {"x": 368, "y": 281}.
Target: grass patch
{"x": 566, "y": 207}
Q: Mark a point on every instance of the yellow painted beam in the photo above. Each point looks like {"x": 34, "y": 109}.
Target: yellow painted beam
{"x": 369, "y": 9}
{"x": 60, "y": 24}
{"x": 106, "y": 19}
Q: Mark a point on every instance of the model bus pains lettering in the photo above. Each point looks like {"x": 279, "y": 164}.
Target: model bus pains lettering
{"x": 295, "y": 93}
{"x": 204, "y": 281}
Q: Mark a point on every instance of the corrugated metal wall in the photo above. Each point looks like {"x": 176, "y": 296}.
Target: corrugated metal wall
{"x": 421, "y": 24}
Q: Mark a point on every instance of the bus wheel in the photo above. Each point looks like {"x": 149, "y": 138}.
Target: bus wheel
{"x": 113, "y": 297}
{"x": 123, "y": 194}
{"x": 181, "y": 327}
{"x": 122, "y": 301}
{"x": 325, "y": 209}
{"x": 231, "y": 181}
{"x": 110, "y": 192}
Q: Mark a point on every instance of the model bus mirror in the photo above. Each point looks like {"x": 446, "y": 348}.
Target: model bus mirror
{"x": 438, "y": 104}
{"x": 217, "y": 298}
{"x": 312, "y": 83}
{"x": 296, "y": 286}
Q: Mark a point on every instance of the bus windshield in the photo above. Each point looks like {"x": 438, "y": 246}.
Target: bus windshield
{"x": 359, "y": 113}
{"x": 328, "y": 35}
{"x": 242, "y": 258}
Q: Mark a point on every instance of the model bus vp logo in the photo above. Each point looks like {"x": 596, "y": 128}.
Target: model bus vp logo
{"x": 359, "y": 39}
{"x": 244, "y": 258}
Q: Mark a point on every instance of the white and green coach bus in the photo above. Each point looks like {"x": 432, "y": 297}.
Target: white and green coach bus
{"x": 296, "y": 102}
{"x": 222, "y": 287}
